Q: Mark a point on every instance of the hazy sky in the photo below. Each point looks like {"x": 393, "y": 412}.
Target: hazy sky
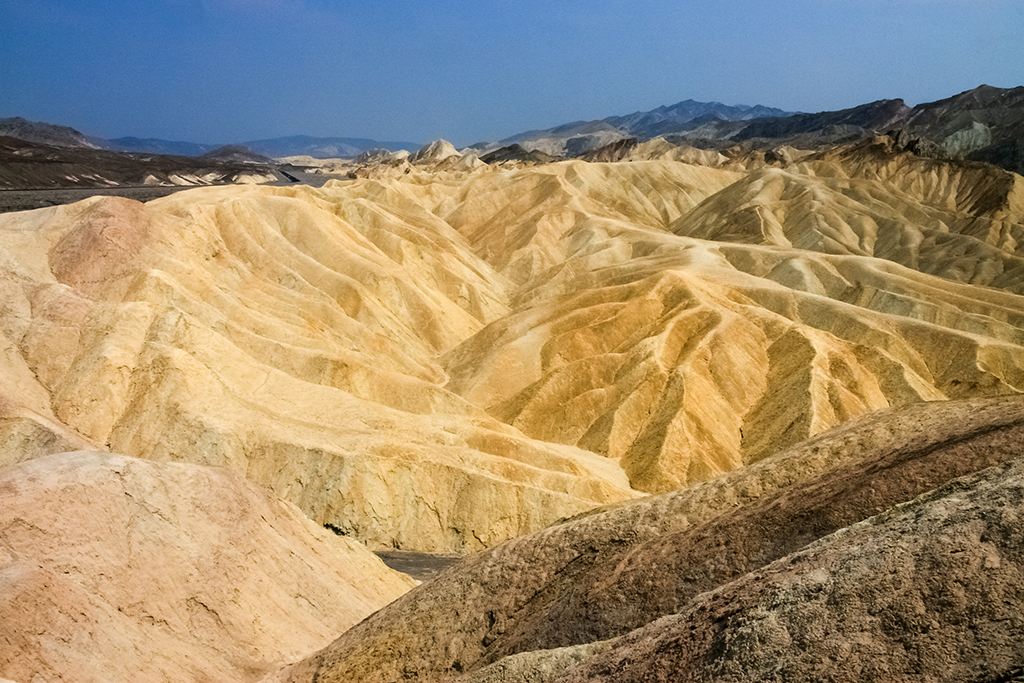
{"x": 218, "y": 71}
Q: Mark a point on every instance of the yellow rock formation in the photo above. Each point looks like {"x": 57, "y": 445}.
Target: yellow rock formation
{"x": 448, "y": 359}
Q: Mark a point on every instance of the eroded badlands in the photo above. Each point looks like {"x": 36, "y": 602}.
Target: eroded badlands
{"x": 462, "y": 356}
{"x": 447, "y": 360}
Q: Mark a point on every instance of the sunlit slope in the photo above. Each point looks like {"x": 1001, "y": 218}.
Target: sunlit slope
{"x": 448, "y": 359}
{"x": 116, "y": 568}
{"x": 262, "y": 330}
{"x": 960, "y": 222}
{"x": 682, "y": 358}
{"x": 529, "y": 223}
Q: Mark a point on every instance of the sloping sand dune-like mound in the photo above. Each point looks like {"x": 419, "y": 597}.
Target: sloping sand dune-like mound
{"x": 113, "y": 568}
{"x": 449, "y": 359}
{"x": 774, "y": 542}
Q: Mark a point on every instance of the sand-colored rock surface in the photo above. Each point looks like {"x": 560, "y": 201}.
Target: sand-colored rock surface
{"x": 684, "y": 358}
{"x": 448, "y": 359}
{"x": 961, "y": 222}
{"x": 114, "y": 568}
{"x": 435, "y": 151}
{"x": 611, "y": 572}
{"x": 265, "y": 332}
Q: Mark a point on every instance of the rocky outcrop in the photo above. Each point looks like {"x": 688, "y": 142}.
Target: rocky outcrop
{"x": 931, "y": 589}
{"x": 516, "y": 153}
{"x": 113, "y": 568}
{"x": 984, "y": 124}
{"x": 639, "y": 573}
{"x": 433, "y": 152}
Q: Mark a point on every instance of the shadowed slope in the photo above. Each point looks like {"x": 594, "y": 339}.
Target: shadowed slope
{"x": 928, "y": 590}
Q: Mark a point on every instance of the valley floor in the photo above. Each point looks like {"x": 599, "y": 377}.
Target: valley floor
{"x": 26, "y": 200}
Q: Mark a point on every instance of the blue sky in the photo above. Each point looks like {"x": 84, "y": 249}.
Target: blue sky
{"x": 468, "y": 70}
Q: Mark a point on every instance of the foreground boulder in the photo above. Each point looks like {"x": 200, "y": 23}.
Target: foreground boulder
{"x": 113, "y": 568}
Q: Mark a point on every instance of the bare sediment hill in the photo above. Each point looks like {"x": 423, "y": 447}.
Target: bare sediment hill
{"x": 450, "y": 356}
{"x": 113, "y": 568}
{"x": 33, "y": 165}
{"x": 446, "y": 360}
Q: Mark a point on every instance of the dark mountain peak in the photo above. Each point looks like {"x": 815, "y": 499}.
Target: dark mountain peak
{"x": 516, "y": 152}
{"x": 43, "y": 133}
{"x": 877, "y": 116}
{"x": 984, "y": 96}
{"x": 686, "y": 115}
{"x": 983, "y": 124}
{"x": 236, "y": 154}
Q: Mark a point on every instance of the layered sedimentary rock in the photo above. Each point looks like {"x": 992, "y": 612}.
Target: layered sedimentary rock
{"x": 264, "y": 332}
{"x": 684, "y": 358}
{"x": 460, "y": 355}
{"x": 433, "y": 152}
{"x": 445, "y": 360}
{"x": 113, "y": 568}
{"x": 625, "y": 591}
{"x": 961, "y": 222}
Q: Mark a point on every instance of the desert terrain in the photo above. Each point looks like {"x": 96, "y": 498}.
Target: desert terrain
{"x": 682, "y": 414}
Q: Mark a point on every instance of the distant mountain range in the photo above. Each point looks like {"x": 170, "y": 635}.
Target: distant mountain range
{"x": 154, "y": 146}
{"x": 687, "y": 114}
{"x": 677, "y": 118}
{"x": 579, "y": 137}
{"x": 323, "y": 148}
{"x": 320, "y": 147}
{"x": 983, "y": 124}
{"x": 296, "y": 145}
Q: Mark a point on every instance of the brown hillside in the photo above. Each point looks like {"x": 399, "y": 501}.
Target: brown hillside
{"x": 614, "y": 571}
